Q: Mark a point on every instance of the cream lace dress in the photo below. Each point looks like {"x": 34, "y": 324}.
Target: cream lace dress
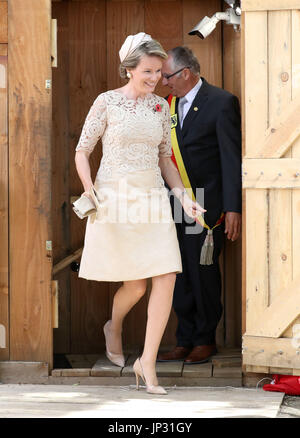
{"x": 132, "y": 235}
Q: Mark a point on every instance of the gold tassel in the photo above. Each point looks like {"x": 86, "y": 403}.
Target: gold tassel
{"x": 207, "y": 250}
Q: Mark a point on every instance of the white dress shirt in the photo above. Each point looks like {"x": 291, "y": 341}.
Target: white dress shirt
{"x": 189, "y": 97}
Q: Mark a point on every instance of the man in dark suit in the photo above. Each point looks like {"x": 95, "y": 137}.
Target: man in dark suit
{"x": 209, "y": 137}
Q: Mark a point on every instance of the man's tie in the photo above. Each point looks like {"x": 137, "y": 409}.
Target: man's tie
{"x": 181, "y": 104}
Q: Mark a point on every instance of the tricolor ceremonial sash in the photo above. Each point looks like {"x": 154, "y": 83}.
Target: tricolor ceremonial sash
{"x": 206, "y": 257}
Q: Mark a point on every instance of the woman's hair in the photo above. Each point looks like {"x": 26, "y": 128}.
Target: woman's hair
{"x": 184, "y": 57}
{"x": 149, "y": 48}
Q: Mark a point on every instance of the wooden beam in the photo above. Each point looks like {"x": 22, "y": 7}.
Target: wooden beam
{"x": 66, "y": 261}
{"x": 3, "y": 22}
{"x": 283, "y": 132}
{"x": 61, "y": 163}
{"x": 23, "y": 372}
{"x": 279, "y": 315}
{"x": 255, "y": 52}
{"x": 270, "y": 352}
{"x": 30, "y": 121}
{"x": 244, "y": 224}
{"x": 54, "y": 42}
{"x": 3, "y": 331}
{"x": 269, "y": 5}
{"x": 257, "y": 272}
{"x": 279, "y": 97}
{"x": 4, "y": 281}
{"x": 295, "y": 35}
{"x": 55, "y": 316}
{"x": 262, "y": 173}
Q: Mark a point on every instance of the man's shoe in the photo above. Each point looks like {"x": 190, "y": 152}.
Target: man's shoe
{"x": 179, "y": 353}
{"x": 200, "y": 354}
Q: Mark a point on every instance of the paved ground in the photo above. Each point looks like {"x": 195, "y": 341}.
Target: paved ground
{"x": 290, "y": 407}
{"x": 76, "y": 401}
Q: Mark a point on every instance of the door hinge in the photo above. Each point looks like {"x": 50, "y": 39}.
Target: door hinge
{"x": 48, "y": 84}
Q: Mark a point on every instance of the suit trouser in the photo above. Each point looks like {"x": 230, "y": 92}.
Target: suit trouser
{"x": 197, "y": 294}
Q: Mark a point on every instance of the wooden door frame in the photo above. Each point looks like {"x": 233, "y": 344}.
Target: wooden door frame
{"x": 4, "y": 281}
{"x": 30, "y": 117}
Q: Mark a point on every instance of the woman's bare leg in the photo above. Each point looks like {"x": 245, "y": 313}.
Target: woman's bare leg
{"x": 159, "y": 308}
{"x": 125, "y": 298}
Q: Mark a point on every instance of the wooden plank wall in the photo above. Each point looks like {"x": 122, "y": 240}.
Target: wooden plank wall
{"x": 266, "y": 90}
{"x": 271, "y": 86}
{"x": 295, "y": 152}
{"x": 232, "y": 272}
{"x": 29, "y": 180}
{"x": 90, "y": 34}
{"x": 4, "y": 306}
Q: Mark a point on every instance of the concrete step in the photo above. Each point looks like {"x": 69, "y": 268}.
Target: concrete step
{"x": 223, "y": 368}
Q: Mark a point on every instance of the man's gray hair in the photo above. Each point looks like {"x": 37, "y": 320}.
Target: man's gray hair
{"x": 184, "y": 57}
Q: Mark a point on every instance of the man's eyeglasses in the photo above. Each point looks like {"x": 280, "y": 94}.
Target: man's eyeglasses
{"x": 173, "y": 74}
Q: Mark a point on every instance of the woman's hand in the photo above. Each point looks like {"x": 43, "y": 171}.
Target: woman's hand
{"x": 87, "y": 194}
{"x": 191, "y": 208}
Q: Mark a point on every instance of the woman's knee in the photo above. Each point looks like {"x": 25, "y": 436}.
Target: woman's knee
{"x": 168, "y": 279}
{"x": 136, "y": 287}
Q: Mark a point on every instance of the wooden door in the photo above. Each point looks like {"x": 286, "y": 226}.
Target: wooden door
{"x": 90, "y": 33}
{"x": 4, "y": 313}
{"x": 271, "y": 182}
{"x": 29, "y": 168}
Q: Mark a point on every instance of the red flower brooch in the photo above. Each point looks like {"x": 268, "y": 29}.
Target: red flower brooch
{"x": 158, "y": 108}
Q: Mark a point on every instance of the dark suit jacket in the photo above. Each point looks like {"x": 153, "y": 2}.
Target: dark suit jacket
{"x": 210, "y": 144}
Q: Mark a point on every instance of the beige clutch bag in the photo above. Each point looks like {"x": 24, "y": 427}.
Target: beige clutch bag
{"x": 84, "y": 207}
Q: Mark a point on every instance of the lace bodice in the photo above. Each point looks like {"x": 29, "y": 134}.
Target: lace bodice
{"x": 135, "y": 133}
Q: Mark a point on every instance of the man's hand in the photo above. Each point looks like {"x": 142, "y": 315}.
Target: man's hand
{"x": 233, "y": 222}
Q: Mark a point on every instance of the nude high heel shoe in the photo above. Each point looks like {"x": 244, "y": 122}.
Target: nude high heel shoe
{"x": 139, "y": 373}
{"x": 117, "y": 359}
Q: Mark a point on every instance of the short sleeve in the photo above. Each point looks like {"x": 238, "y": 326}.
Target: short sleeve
{"x": 165, "y": 148}
{"x": 94, "y": 126}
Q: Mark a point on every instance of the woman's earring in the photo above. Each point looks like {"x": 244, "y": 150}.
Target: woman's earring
{"x": 128, "y": 75}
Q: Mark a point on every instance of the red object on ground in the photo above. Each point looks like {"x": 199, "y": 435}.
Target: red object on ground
{"x": 290, "y": 385}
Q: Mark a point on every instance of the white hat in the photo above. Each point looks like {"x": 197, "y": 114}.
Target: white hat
{"x": 131, "y": 43}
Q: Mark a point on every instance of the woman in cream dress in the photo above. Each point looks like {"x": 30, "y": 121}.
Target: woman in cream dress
{"x": 132, "y": 236}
